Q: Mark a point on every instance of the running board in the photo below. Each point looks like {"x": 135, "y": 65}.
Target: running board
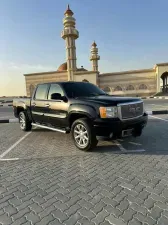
{"x": 49, "y": 128}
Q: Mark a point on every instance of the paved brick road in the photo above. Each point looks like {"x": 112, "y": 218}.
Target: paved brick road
{"x": 92, "y": 189}
{"x": 62, "y": 185}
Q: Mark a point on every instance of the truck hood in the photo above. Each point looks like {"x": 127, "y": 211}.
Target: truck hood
{"x": 109, "y": 100}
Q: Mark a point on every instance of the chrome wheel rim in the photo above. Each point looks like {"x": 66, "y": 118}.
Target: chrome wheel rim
{"x": 81, "y": 135}
{"x": 22, "y": 122}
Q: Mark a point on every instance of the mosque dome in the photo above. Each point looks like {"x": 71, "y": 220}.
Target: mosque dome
{"x": 63, "y": 67}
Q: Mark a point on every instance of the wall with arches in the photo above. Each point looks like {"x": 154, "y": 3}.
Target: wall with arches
{"x": 130, "y": 83}
{"x": 90, "y": 76}
{"x": 37, "y": 78}
{"x": 160, "y": 69}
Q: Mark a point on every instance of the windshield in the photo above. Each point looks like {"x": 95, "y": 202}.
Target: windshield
{"x": 74, "y": 90}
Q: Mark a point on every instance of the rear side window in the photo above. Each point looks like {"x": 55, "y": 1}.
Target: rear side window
{"x": 41, "y": 92}
{"x": 55, "y": 88}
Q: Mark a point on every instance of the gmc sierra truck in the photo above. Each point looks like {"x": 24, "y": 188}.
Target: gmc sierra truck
{"x": 82, "y": 109}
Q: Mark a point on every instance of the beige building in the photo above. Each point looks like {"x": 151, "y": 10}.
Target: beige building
{"x": 144, "y": 82}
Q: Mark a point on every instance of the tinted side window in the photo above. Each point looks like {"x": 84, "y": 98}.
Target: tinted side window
{"x": 41, "y": 91}
{"x": 55, "y": 88}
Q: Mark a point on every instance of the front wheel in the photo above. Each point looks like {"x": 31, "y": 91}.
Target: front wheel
{"x": 24, "y": 121}
{"x": 83, "y": 134}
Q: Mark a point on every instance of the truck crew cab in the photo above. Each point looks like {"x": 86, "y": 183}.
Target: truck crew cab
{"x": 82, "y": 109}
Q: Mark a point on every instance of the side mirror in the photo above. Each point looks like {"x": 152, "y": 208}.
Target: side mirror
{"x": 56, "y": 96}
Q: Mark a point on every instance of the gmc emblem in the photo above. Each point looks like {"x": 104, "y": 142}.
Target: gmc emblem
{"x": 134, "y": 109}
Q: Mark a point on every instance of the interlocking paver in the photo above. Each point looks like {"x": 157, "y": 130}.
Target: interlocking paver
{"x": 105, "y": 223}
{"x": 149, "y": 203}
{"x": 55, "y": 222}
{"x": 113, "y": 210}
{"x": 1, "y": 211}
{"x": 24, "y": 204}
{"x": 113, "y": 220}
{"x": 7, "y": 198}
{"x": 36, "y": 208}
{"x": 111, "y": 202}
{"x": 100, "y": 217}
{"x": 38, "y": 199}
{"x": 134, "y": 222}
{"x": 20, "y": 213}
{"x": 19, "y": 221}
{"x": 123, "y": 205}
{"x": 4, "y": 204}
{"x": 87, "y": 213}
{"x": 61, "y": 206}
{"x": 58, "y": 214}
{"x": 72, "y": 220}
{"x": 144, "y": 219}
{"x": 128, "y": 215}
{"x": 46, "y": 220}
{"x": 32, "y": 217}
{"x": 158, "y": 198}
{"x": 48, "y": 202}
{"x": 143, "y": 195}
{"x": 47, "y": 211}
{"x": 165, "y": 213}
{"x": 163, "y": 220}
{"x": 138, "y": 208}
{"x": 26, "y": 223}
{"x": 5, "y": 219}
{"x": 98, "y": 207}
{"x": 15, "y": 201}
{"x": 155, "y": 213}
{"x": 85, "y": 204}
{"x": 10, "y": 210}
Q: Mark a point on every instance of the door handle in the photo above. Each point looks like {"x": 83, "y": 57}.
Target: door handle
{"x": 33, "y": 104}
{"x": 47, "y": 105}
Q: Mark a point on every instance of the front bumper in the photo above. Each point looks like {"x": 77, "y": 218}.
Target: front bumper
{"x": 105, "y": 127}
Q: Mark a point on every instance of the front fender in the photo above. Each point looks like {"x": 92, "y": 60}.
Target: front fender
{"x": 82, "y": 109}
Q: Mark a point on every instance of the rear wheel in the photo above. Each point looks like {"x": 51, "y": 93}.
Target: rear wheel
{"x": 83, "y": 134}
{"x": 25, "y": 123}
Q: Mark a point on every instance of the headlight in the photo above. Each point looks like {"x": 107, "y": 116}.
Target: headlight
{"x": 108, "y": 112}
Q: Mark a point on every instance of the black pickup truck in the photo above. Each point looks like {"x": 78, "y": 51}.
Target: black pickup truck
{"x": 82, "y": 109}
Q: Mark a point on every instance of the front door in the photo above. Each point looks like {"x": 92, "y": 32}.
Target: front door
{"x": 58, "y": 108}
{"x": 39, "y": 104}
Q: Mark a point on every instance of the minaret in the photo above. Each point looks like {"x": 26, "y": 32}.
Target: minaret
{"x": 69, "y": 34}
{"x": 94, "y": 56}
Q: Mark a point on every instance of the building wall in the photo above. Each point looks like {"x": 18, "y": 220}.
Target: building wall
{"x": 33, "y": 79}
{"x": 160, "y": 69}
{"x": 143, "y": 82}
{"x": 90, "y": 76}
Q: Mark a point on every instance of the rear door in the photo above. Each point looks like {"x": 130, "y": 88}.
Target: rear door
{"x": 58, "y": 108}
{"x": 39, "y": 104}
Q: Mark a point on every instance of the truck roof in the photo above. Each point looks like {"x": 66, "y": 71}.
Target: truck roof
{"x": 62, "y": 82}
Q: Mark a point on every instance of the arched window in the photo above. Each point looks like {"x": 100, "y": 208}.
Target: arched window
{"x": 143, "y": 87}
{"x": 31, "y": 89}
{"x": 85, "y": 81}
{"x": 107, "y": 89}
{"x": 130, "y": 88}
{"x": 118, "y": 88}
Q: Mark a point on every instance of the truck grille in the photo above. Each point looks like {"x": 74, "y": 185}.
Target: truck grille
{"x": 131, "y": 110}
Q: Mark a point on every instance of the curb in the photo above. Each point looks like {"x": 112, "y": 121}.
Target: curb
{"x": 147, "y": 97}
{"x": 157, "y": 112}
{"x": 9, "y": 120}
{"x": 6, "y": 105}
{"x": 154, "y": 97}
{"x": 161, "y": 97}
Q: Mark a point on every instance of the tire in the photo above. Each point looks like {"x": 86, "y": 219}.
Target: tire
{"x": 25, "y": 123}
{"x": 84, "y": 128}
